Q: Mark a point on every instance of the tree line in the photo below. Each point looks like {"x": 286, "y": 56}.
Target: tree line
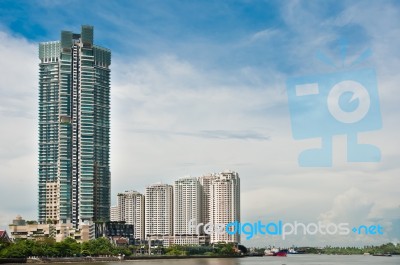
{"x": 389, "y": 248}
{"x": 69, "y": 247}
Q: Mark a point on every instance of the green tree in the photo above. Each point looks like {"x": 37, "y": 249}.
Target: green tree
{"x": 99, "y": 246}
{"x": 225, "y": 249}
{"x": 68, "y": 248}
{"x": 176, "y": 250}
{"x": 19, "y": 249}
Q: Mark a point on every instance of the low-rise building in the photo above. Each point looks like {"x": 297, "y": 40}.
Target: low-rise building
{"x": 21, "y": 229}
{"x": 4, "y": 238}
{"x": 114, "y": 231}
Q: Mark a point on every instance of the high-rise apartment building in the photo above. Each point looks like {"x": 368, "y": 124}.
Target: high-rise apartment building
{"x": 114, "y": 214}
{"x": 224, "y": 204}
{"x": 187, "y": 205}
{"x": 74, "y": 129}
{"x": 180, "y": 214}
{"x": 205, "y": 185}
{"x": 130, "y": 209}
{"x": 159, "y": 210}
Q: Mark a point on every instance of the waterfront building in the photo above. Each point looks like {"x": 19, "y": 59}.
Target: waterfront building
{"x": 193, "y": 240}
{"x": 187, "y": 205}
{"x": 21, "y": 229}
{"x": 205, "y": 185}
{"x": 168, "y": 210}
{"x": 187, "y": 209}
{"x": 115, "y": 231}
{"x": 224, "y": 204}
{"x": 158, "y": 211}
{"x": 130, "y": 209}
{"x": 74, "y": 130}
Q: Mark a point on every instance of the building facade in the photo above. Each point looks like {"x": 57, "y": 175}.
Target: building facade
{"x": 159, "y": 211}
{"x": 224, "y": 204}
{"x": 179, "y": 214}
{"x": 4, "y": 238}
{"x": 74, "y": 129}
{"x": 130, "y": 209}
{"x": 205, "y": 186}
{"x": 114, "y": 214}
{"x": 25, "y": 230}
{"x": 187, "y": 205}
{"x": 115, "y": 231}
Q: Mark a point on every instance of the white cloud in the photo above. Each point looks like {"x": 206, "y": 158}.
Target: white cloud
{"x": 351, "y": 206}
{"x": 18, "y": 141}
{"x": 264, "y": 34}
{"x": 19, "y": 76}
{"x": 159, "y": 137}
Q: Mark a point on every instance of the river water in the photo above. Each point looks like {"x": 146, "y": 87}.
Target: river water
{"x": 289, "y": 260}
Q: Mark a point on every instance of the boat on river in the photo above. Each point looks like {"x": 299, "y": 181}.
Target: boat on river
{"x": 276, "y": 252}
{"x": 382, "y": 255}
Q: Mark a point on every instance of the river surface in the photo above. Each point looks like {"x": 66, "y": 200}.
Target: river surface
{"x": 289, "y": 260}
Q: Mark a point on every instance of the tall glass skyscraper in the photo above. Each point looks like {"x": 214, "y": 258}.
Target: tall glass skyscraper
{"x": 74, "y": 129}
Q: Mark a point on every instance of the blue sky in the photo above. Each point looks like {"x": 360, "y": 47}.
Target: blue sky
{"x": 211, "y": 33}
{"x": 200, "y": 86}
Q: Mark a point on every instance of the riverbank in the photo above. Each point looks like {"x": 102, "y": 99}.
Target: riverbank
{"x": 12, "y": 260}
{"x": 40, "y": 260}
{"x": 183, "y": 257}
